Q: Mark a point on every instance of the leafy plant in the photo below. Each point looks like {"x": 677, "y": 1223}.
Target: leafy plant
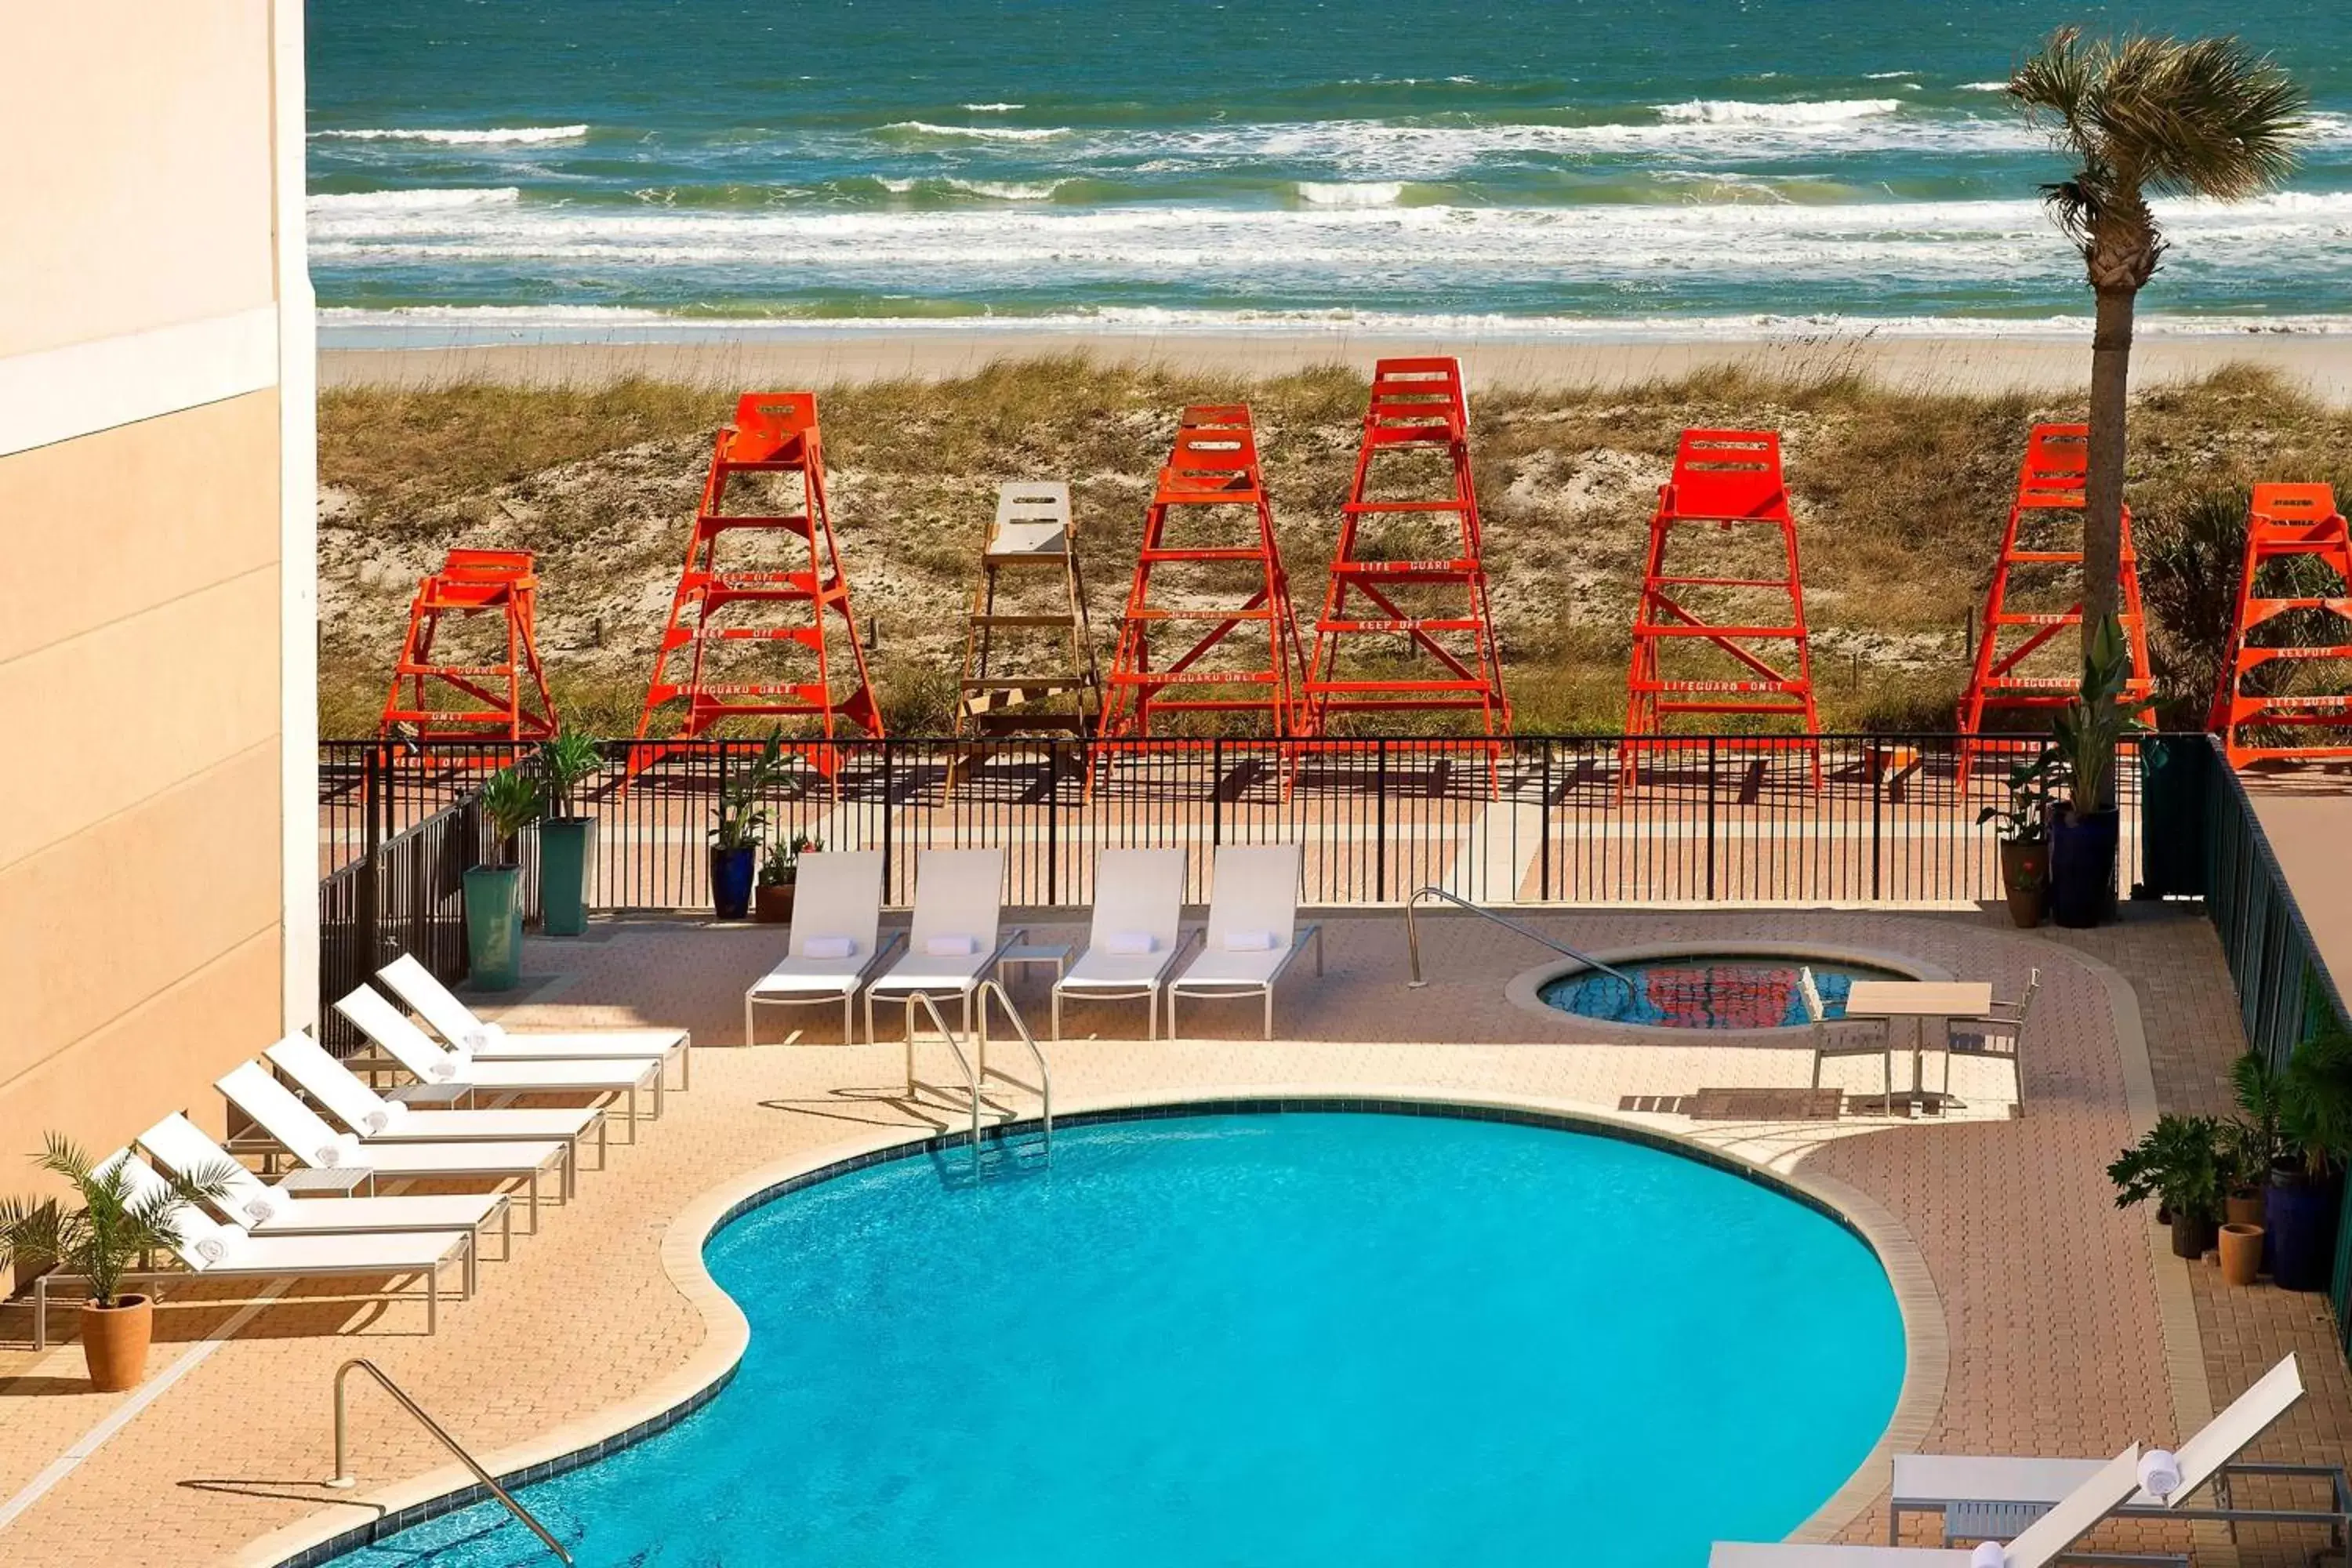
{"x": 2255, "y": 1141}
{"x": 2314, "y": 1099}
{"x": 511, "y": 801}
{"x": 782, "y": 864}
{"x": 2024, "y": 816}
{"x": 100, "y": 1239}
{"x": 2178, "y": 1164}
{"x": 569, "y": 761}
{"x": 743, "y": 809}
{"x": 2087, "y": 730}
{"x": 2148, "y": 116}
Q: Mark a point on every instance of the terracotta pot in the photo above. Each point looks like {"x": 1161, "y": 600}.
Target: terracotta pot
{"x": 772, "y": 905}
{"x": 2025, "y": 878}
{"x": 2245, "y": 1207}
{"x": 114, "y": 1341}
{"x": 2242, "y": 1253}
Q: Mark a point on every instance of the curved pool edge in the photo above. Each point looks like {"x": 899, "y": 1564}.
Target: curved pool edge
{"x": 1525, "y": 989}
{"x": 712, "y": 1365}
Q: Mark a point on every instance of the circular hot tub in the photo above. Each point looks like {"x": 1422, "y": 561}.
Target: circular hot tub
{"x": 1733, "y": 986}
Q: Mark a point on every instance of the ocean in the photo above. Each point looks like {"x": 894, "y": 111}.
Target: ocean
{"x": 617, "y": 170}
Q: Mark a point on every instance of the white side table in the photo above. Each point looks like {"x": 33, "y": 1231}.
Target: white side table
{"x": 338, "y": 1181}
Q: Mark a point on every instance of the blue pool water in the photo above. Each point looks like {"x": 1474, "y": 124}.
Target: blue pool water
{"x": 1709, "y": 991}
{"x": 1300, "y": 1339}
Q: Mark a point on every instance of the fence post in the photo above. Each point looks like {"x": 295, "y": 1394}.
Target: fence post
{"x": 890, "y": 784}
{"x": 1543, "y": 827}
{"x": 1053, "y": 821}
{"x": 1381, "y": 826}
{"x": 372, "y": 790}
{"x": 1710, "y": 819}
{"x": 1878, "y": 788}
{"x": 1217, "y": 791}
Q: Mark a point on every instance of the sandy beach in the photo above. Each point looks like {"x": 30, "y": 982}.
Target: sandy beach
{"x": 2321, "y": 365}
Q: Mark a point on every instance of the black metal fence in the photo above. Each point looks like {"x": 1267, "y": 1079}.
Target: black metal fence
{"x": 2284, "y": 991}
{"x": 1885, "y": 818}
{"x": 404, "y": 894}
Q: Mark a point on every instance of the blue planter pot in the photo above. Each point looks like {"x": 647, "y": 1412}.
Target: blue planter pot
{"x": 2299, "y": 1222}
{"x": 2081, "y": 866}
{"x": 563, "y": 874}
{"x": 731, "y": 882}
{"x": 494, "y": 926}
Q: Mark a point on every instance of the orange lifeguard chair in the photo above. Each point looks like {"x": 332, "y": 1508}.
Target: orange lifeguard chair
{"x": 2285, "y": 524}
{"x": 800, "y": 588}
{"x": 1724, "y": 479}
{"x": 2004, "y": 678}
{"x": 1210, "y": 509}
{"x": 434, "y": 698}
{"x": 1416, "y": 445}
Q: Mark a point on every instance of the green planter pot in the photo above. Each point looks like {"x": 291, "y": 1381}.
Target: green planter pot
{"x": 494, "y": 926}
{"x": 563, "y": 874}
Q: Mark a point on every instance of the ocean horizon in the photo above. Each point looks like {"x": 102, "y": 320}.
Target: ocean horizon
{"x": 605, "y": 170}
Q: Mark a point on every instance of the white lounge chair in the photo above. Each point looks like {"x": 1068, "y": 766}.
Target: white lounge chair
{"x": 954, "y": 938}
{"x": 1137, "y": 934}
{"x": 448, "y": 1016}
{"x": 2074, "y": 1516}
{"x": 1991, "y": 1494}
{"x": 213, "y": 1251}
{"x": 836, "y": 910}
{"x": 179, "y": 1144}
{"x": 1253, "y": 931}
{"x": 431, "y": 1065}
{"x": 378, "y": 1121}
{"x": 301, "y": 1132}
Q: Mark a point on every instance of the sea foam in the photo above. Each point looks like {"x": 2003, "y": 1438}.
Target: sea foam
{"x": 1738, "y": 112}
{"x": 978, "y": 132}
{"x": 519, "y": 133}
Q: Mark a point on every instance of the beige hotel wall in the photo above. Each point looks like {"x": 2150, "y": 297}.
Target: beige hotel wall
{"x": 141, "y": 826}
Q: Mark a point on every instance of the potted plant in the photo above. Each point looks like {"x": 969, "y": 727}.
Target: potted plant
{"x": 96, "y": 1241}
{"x": 509, "y": 802}
{"x": 567, "y": 762}
{"x": 2023, "y": 830}
{"x": 2082, "y": 829}
{"x": 2252, "y": 1139}
{"x": 779, "y": 873}
{"x": 2315, "y": 1102}
{"x": 740, "y": 815}
{"x": 2178, "y": 1164}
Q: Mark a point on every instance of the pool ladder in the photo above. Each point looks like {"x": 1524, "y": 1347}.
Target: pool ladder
{"x": 977, "y": 1071}
{"x": 343, "y": 1478}
{"x": 1412, "y": 936}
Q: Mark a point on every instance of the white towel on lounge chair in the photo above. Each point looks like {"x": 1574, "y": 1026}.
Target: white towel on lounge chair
{"x": 950, "y": 946}
{"x": 1249, "y": 942}
{"x": 828, "y": 947}
{"x": 1129, "y": 943}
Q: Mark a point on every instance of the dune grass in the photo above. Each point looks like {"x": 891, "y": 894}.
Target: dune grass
{"x": 1900, "y": 495}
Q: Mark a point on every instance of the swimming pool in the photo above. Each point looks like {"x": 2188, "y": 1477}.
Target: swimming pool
{"x": 1709, "y": 990}
{"x": 1300, "y": 1338}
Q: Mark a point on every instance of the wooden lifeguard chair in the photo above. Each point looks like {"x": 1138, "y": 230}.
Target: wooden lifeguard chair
{"x": 1029, "y": 654}
{"x": 2288, "y": 525}
{"x": 437, "y": 697}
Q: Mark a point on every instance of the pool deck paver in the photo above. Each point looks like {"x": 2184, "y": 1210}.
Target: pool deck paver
{"x": 2059, "y": 1340}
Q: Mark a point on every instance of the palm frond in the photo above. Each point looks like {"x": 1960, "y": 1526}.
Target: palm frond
{"x": 2055, "y": 83}
{"x": 2207, "y": 117}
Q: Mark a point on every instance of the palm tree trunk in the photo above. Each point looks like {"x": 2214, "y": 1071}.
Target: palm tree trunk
{"x": 2103, "y": 488}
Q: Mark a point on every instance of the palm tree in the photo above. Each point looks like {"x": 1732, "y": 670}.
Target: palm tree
{"x": 2150, "y": 116}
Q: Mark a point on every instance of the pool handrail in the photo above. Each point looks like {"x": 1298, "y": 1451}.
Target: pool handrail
{"x": 972, "y": 1078}
{"x": 343, "y": 1479}
{"x": 1412, "y": 936}
{"x": 1044, "y": 1074}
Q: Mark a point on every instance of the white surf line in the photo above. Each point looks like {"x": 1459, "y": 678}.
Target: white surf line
{"x": 123, "y": 1415}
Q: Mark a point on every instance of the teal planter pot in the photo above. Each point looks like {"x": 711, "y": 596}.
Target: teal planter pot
{"x": 563, "y": 874}
{"x": 494, "y": 926}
